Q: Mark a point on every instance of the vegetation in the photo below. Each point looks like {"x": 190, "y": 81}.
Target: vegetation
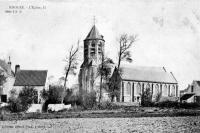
{"x": 104, "y": 70}
{"x": 158, "y": 97}
{"x": 71, "y": 64}
{"x": 72, "y": 99}
{"x": 146, "y": 98}
{"x": 21, "y": 102}
{"x": 125, "y": 43}
{"x": 52, "y": 96}
{"x": 88, "y": 100}
{"x": 2, "y": 78}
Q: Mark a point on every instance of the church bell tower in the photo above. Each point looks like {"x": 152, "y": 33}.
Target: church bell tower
{"x": 93, "y": 46}
{"x": 93, "y": 50}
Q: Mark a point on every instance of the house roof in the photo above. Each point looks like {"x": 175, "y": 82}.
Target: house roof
{"x": 187, "y": 96}
{"x": 151, "y": 74}
{"x": 94, "y": 34}
{"x": 198, "y": 82}
{"x": 30, "y": 78}
{"x": 5, "y": 67}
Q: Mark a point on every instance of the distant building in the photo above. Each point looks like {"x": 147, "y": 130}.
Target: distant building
{"x": 5, "y": 69}
{"x": 30, "y": 78}
{"x": 133, "y": 81}
{"x": 192, "y": 93}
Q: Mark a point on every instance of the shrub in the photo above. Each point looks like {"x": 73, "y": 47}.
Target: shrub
{"x": 158, "y": 97}
{"x": 88, "y": 100}
{"x": 107, "y": 105}
{"x": 55, "y": 94}
{"x": 15, "y": 105}
{"x": 189, "y": 105}
{"x": 167, "y": 104}
{"x": 21, "y": 102}
{"x": 27, "y": 96}
{"x": 146, "y": 98}
{"x": 51, "y": 96}
{"x": 72, "y": 99}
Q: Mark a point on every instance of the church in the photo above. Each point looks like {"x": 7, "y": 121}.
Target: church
{"x": 133, "y": 80}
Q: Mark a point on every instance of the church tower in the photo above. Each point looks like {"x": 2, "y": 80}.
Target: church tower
{"x": 93, "y": 45}
{"x": 93, "y": 50}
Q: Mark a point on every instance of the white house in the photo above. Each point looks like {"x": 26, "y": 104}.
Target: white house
{"x": 5, "y": 69}
{"x": 30, "y": 78}
{"x": 191, "y": 93}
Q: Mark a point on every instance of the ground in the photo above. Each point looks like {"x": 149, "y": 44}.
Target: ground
{"x": 102, "y": 125}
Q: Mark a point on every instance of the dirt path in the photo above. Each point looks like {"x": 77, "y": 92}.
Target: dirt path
{"x": 102, "y": 125}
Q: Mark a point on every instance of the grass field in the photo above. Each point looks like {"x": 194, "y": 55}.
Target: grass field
{"x": 102, "y": 125}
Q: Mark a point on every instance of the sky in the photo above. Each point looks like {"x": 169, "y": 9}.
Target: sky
{"x": 168, "y": 33}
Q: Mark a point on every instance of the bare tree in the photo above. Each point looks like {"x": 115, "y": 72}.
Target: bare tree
{"x": 125, "y": 43}
{"x": 71, "y": 63}
{"x": 104, "y": 70}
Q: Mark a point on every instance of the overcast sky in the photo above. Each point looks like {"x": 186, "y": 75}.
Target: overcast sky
{"x": 168, "y": 33}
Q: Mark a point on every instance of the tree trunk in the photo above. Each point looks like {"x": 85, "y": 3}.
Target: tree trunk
{"x": 100, "y": 89}
{"x": 64, "y": 86}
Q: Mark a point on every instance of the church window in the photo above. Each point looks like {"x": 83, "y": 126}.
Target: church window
{"x": 173, "y": 90}
{"x": 128, "y": 89}
{"x": 169, "y": 90}
{"x": 147, "y": 87}
{"x": 93, "y": 45}
{"x": 157, "y": 91}
{"x": 192, "y": 88}
{"x": 100, "y": 47}
{"x": 138, "y": 89}
{"x": 165, "y": 90}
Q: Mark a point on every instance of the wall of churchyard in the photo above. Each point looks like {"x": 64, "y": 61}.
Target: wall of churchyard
{"x": 130, "y": 94}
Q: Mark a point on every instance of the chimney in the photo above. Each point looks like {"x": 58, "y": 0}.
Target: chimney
{"x": 17, "y": 68}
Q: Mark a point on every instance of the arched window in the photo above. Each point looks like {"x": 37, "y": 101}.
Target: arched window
{"x": 128, "y": 89}
{"x": 165, "y": 90}
{"x": 147, "y": 87}
{"x": 169, "y": 91}
{"x": 138, "y": 89}
{"x": 173, "y": 90}
{"x": 157, "y": 91}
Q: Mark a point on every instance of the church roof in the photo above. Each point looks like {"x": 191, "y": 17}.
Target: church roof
{"x": 94, "y": 34}
{"x": 150, "y": 74}
{"x": 30, "y": 78}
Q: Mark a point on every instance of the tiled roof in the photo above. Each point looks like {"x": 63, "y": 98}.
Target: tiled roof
{"x": 31, "y": 78}
{"x": 151, "y": 74}
{"x": 94, "y": 34}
